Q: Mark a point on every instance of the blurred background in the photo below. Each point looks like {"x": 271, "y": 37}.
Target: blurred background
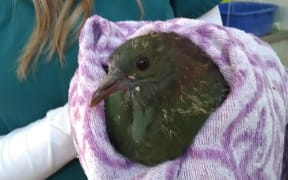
{"x": 267, "y": 19}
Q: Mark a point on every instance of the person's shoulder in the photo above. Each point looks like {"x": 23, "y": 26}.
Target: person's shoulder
{"x": 134, "y": 10}
{"x": 193, "y": 8}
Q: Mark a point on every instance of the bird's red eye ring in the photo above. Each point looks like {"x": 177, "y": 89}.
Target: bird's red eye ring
{"x": 142, "y": 63}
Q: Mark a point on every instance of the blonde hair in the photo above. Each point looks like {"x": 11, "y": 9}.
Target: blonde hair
{"x": 55, "y": 22}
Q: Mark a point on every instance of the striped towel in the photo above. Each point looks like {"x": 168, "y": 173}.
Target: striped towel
{"x": 243, "y": 139}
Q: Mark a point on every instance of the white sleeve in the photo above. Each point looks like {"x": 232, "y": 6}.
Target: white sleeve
{"x": 39, "y": 149}
{"x": 212, "y": 16}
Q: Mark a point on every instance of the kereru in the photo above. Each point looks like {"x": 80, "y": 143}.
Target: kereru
{"x": 159, "y": 91}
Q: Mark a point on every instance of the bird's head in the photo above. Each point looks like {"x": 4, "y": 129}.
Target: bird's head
{"x": 138, "y": 63}
{"x": 173, "y": 86}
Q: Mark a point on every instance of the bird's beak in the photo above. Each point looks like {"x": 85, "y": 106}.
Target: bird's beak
{"x": 114, "y": 81}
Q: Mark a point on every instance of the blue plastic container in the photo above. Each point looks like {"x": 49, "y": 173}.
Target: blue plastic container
{"x": 255, "y": 18}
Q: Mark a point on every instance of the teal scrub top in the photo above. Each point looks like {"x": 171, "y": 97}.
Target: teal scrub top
{"x": 47, "y": 87}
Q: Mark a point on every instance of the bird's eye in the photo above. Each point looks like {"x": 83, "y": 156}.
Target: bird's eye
{"x": 142, "y": 63}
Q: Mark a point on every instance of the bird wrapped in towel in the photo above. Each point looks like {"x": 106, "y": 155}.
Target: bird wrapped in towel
{"x": 225, "y": 89}
{"x": 161, "y": 89}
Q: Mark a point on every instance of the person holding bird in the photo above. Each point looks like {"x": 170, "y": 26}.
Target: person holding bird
{"x": 39, "y": 57}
